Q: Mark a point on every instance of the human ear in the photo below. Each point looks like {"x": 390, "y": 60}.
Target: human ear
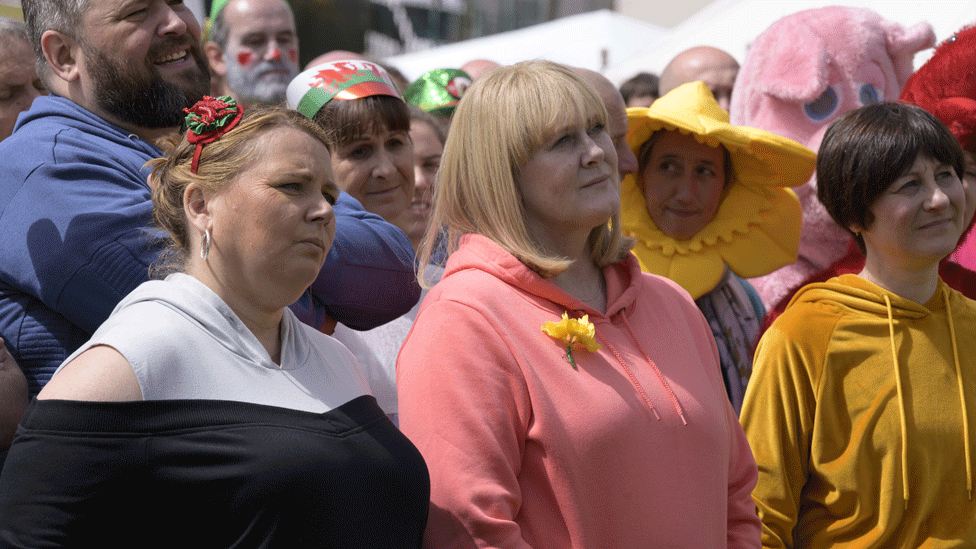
{"x": 62, "y": 53}
{"x": 196, "y": 206}
{"x": 216, "y": 59}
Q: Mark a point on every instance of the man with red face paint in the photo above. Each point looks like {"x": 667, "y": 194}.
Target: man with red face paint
{"x": 253, "y": 49}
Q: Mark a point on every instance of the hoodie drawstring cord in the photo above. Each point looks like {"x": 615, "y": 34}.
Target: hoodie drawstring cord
{"x": 962, "y": 396}
{"x": 633, "y": 378}
{"x": 901, "y": 400}
{"x": 901, "y": 403}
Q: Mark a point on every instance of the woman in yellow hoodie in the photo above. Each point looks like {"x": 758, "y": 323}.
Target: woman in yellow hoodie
{"x": 860, "y": 408}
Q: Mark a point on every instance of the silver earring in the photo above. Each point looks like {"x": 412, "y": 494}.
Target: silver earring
{"x": 205, "y": 245}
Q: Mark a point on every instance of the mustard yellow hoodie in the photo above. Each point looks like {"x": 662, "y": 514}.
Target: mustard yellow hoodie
{"x": 860, "y": 415}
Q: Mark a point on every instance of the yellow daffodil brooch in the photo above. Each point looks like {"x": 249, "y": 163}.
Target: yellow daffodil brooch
{"x": 578, "y": 332}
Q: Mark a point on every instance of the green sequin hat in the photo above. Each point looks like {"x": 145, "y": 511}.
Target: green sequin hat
{"x": 215, "y": 8}
{"x": 438, "y": 91}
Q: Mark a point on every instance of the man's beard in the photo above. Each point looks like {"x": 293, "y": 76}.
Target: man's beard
{"x": 248, "y": 85}
{"x": 143, "y": 98}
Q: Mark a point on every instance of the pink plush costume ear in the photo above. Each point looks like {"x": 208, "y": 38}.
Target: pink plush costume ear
{"x": 903, "y": 44}
{"x": 799, "y": 56}
{"x": 797, "y": 74}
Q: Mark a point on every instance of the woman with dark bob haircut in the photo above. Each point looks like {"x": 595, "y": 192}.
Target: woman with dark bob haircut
{"x": 887, "y": 139}
{"x": 861, "y": 404}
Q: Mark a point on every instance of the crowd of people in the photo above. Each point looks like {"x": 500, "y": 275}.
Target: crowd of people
{"x": 246, "y": 304}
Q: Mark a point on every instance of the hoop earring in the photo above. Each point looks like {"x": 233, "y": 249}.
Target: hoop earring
{"x": 205, "y": 245}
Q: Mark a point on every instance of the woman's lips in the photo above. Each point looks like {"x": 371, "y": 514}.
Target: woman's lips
{"x": 384, "y": 190}
{"x": 317, "y": 242}
{"x": 937, "y": 223}
{"x": 683, "y": 213}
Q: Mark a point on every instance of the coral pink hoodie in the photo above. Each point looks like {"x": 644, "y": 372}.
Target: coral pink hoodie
{"x": 636, "y": 448}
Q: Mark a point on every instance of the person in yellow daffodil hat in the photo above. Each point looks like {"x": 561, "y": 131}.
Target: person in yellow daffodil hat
{"x": 709, "y": 206}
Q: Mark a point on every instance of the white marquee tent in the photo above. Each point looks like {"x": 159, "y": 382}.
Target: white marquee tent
{"x": 594, "y": 40}
{"x": 621, "y": 46}
{"x": 731, "y": 25}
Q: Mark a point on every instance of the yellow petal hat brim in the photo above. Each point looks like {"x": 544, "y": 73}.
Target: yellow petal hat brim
{"x": 690, "y": 108}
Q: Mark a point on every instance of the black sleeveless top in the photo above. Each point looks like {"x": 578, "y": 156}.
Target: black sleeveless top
{"x": 207, "y": 473}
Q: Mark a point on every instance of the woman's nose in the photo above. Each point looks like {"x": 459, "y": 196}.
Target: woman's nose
{"x": 594, "y": 152}
{"x": 938, "y": 198}
{"x": 686, "y": 190}
{"x": 321, "y": 210}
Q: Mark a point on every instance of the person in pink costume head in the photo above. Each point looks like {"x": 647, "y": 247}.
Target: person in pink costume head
{"x": 946, "y": 87}
{"x": 800, "y": 74}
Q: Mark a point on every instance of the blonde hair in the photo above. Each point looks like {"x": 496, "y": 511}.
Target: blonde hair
{"x": 501, "y": 121}
{"x": 221, "y": 162}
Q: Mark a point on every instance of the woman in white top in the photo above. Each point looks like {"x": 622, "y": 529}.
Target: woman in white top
{"x": 202, "y": 412}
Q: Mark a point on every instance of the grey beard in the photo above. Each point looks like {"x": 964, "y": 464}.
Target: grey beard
{"x": 251, "y": 90}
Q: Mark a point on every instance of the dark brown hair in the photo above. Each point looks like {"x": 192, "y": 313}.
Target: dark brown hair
{"x": 865, "y": 150}
{"x": 643, "y": 84}
{"x": 346, "y": 121}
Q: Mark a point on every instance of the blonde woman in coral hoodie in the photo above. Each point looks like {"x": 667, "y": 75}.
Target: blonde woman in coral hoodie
{"x": 863, "y": 396}
{"x": 561, "y": 397}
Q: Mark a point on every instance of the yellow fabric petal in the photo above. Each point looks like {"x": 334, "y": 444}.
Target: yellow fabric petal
{"x": 585, "y": 333}
{"x": 591, "y": 345}
{"x": 557, "y": 331}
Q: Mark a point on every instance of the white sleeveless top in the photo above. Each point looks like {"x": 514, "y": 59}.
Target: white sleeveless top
{"x": 184, "y": 342}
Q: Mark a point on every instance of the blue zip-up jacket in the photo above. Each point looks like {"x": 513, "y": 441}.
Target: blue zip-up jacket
{"x": 76, "y": 237}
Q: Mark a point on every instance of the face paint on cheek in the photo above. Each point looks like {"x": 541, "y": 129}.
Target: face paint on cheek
{"x": 293, "y": 55}
{"x": 244, "y": 58}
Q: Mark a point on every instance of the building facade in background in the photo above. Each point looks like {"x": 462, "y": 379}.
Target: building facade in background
{"x": 403, "y": 26}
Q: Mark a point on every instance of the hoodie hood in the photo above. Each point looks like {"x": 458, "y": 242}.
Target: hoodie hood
{"x": 72, "y": 115}
{"x": 200, "y": 306}
{"x": 860, "y": 296}
{"x": 478, "y": 252}
{"x": 864, "y": 298}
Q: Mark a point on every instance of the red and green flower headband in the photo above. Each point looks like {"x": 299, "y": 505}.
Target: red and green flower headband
{"x": 208, "y": 120}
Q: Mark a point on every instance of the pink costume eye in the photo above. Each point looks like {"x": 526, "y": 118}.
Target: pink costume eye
{"x": 868, "y": 94}
{"x": 822, "y": 107}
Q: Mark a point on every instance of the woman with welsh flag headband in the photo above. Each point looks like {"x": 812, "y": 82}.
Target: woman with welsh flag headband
{"x": 368, "y": 126}
{"x": 368, "y": 123}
